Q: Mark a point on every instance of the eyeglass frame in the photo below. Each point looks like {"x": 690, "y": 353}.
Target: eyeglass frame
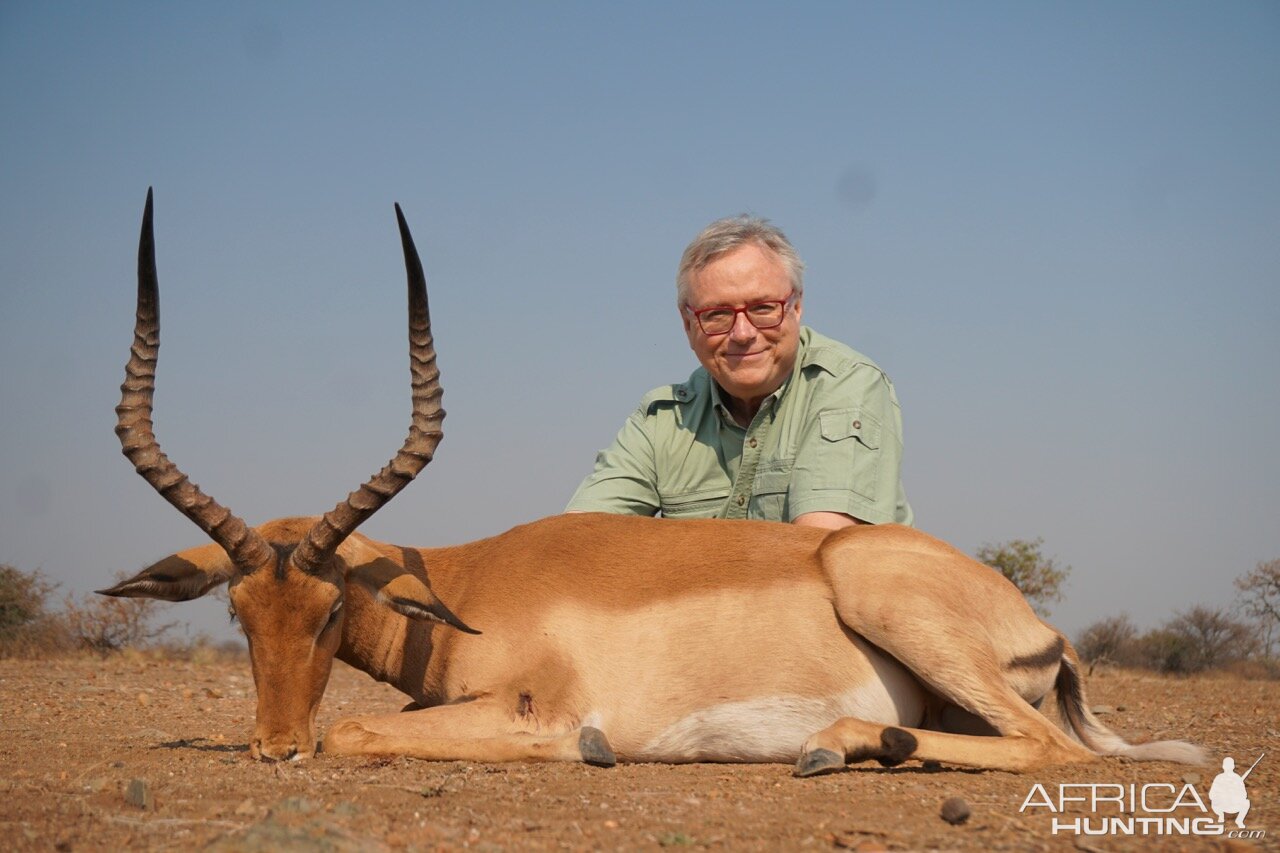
{"x": 698, "y": 312}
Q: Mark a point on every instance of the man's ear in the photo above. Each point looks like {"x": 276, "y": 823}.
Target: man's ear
{"x": 179, "y": 577}
{"x": 396, "y": 587}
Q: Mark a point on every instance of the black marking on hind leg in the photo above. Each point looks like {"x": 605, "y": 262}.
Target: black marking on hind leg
{"x": 899, "y": 745}
{"x": 895, "y": 747}
{"x": 1046, "y": 659}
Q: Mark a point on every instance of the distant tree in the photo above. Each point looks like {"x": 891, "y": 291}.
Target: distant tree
{"x": 1164, "y": 651}
{"x": 22, "y": 596}
{"x": 1039, "y": 578}
{"x": 26, "y": 626}
{"x": 1211, "y": 638}
{"x": 1260, "y": 600}
{"x": 106, "y": 625}
{"x": 1108, "y": 640}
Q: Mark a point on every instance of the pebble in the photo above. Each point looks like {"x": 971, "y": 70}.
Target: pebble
{"x": 144, "y": 699}
{"x": 295, "y": 805}
{"x": 955, "y": 811}
{"x": 1102, "y": 710}
{"x": 139, "y": 794}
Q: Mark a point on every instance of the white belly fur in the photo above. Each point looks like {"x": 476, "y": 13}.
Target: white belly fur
{"x": 772, "y": 729}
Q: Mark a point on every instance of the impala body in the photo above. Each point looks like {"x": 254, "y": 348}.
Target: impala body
{"x": 596, "y": 637}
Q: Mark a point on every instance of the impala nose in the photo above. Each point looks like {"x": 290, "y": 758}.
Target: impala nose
{"x": 282, "y": 750}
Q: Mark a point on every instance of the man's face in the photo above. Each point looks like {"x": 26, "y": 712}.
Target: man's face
{"x": 749, "y": 363}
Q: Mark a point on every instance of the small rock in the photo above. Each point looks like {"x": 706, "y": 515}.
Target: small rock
{"x": 955, "y": 811}
{"x": 246, "y": 808}
{"x": 294, "y": 805}
{"x": 1191, "y": 778}
{"x": 1102, "y": 710}
{"x": 212, "y": 693}
{"x": 117, "y": 764}
{"x": 1121, "y": 708}
{"x": 144, "y": 699}
{"x": 139, "y": 794}
{"x": 187, "y": 693}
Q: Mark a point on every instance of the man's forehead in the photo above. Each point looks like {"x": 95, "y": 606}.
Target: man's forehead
{"x": 745, "y": 274}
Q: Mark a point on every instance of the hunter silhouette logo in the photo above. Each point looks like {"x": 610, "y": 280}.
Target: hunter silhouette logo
{"x": 1152, "y": 808}
{"x": 1227, "y": 794}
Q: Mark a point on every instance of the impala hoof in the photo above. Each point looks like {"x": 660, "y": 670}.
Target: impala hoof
{"x": 818, "y": 762}
{"x": 595, "y": 748}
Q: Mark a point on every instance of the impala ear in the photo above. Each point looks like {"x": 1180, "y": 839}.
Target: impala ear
{"x": 179, "y": 577}
{"x": 405, "y": 593}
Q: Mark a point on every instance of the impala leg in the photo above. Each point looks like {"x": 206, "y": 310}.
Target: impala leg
{"x": 848, "y": 741}
{"x": 479, "y": 730}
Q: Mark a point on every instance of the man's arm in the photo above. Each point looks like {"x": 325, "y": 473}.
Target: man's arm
{"x": 848, "y": 466}
{"x": 624, "y": 480}
{"x": 827, "y": 520}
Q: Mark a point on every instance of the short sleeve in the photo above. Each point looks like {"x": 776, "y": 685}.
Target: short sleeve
{"x": 624, "y": 480}
{"x": 849, "y": 458}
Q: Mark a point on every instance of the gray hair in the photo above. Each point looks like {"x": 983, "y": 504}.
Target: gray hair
{"x": 725, "y": 235}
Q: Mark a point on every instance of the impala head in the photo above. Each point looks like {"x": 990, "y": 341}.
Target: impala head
{"x": 287, "y": 579}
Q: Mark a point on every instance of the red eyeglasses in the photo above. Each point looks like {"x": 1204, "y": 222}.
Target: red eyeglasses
{"x": 719, "y": 319}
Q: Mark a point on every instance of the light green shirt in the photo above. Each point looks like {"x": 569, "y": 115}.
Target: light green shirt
{"x": 830, "y": 439}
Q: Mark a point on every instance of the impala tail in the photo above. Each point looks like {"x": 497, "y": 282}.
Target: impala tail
{"x": 1090, "y": 731}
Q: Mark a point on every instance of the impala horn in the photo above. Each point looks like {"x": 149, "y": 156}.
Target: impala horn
{"x": 424, "y": 432}
{"x": 247, "y": 549}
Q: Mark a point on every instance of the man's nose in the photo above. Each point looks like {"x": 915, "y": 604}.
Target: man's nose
{"x": 742, "y": 329}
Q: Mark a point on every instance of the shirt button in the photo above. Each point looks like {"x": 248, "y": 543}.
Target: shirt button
{"x": 741, "y": 500}
{"x": 857, "y": 424}
{"x": 751, "y": 443}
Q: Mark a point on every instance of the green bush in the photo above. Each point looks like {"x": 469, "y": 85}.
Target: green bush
{"x": 26, "y": 626}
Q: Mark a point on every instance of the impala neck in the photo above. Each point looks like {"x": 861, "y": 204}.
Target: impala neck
{"x": 392, "y": 648}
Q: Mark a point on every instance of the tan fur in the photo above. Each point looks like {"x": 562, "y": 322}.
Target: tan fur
{"x": 679, "y": 640}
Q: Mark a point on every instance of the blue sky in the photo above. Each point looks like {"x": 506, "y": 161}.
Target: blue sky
{"x": 1056, "y": 226}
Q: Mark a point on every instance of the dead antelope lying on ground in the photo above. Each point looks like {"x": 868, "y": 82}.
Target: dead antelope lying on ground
{"x": 608, "y": 637}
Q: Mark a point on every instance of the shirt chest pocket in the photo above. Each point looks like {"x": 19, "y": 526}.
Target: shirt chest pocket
{"x": 769, "y": 495}
{"x": 701, "y": 503}
{"x": 848, "y": 452}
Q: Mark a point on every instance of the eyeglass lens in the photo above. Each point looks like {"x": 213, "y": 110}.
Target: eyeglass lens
{"x": 762, "y": 315}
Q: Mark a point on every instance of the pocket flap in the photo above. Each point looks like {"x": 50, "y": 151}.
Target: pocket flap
{"x": 839, "y": 424}
{"x": 771, "y": 482}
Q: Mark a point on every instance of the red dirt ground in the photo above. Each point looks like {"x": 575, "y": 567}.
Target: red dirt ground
{"x": 76, "y": 732}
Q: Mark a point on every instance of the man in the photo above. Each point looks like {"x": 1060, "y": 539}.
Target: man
{"x": 1228, "y": 794}
{"x": 779, "y": 423}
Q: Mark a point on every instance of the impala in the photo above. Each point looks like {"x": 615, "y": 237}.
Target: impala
{"x": 596, "y": 638}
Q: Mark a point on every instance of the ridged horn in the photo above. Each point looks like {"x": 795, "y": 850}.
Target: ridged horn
{"x": 246, "y": 548}
{"x": 424, "y": 431}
